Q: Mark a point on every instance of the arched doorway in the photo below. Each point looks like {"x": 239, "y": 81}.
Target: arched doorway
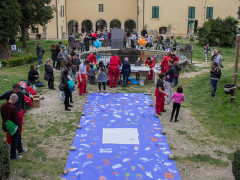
{"x": 130, "y": 25}
{"x": 87, "y": 26}
{"x": 72, "y": 27}
{"x": 115, "y": 24}
{"x": 101, "y": 25}
{"x": 162, "y": 30}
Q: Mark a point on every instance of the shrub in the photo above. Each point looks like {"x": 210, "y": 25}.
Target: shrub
{"x": 16, "y": 62}
{"x": 78, "y": 35}
{"x": 130, "y": 53}
{"x": 4, "y": 62}
{"x": 4, "y": 159}
{"x": 30, "y": 59}
{"x": 236, "y": 165}
{"x": 219, "y": 32}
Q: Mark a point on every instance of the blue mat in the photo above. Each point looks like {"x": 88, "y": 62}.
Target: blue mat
{"x": 105, "y": 153}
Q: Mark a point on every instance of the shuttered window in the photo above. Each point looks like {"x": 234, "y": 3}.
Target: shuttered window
{"x": 209, "y": 12}
{"x": 191, "y": 12}
{"x": 100, "y": 7}
{"x": 155, "y": 12}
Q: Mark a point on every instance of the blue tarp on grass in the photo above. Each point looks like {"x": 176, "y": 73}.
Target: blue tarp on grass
{"x": 98, "y": 158}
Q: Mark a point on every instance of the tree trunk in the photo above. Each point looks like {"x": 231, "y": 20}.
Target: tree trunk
{"x": 4, "y": 51}
{"x": 24, "y": 35}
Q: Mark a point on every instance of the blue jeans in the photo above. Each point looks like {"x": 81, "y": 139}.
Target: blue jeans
{"x": 175, "y": 81}
{"x": 214, "y": 86}
{"x": 39, "y": 58}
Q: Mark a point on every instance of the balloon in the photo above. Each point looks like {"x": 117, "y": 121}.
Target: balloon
{"x": 142, "y": 42}
{"x": 97, "y": 44}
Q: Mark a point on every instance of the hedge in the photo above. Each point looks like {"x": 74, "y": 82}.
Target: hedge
{"x": 4, "y": 159}
{"x": 236, "y": 165}
{"x": 19, "y": 61}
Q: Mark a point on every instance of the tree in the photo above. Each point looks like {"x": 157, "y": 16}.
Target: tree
{"x": 34, "y": 12}
{"x": 9, "y": 24}
{"x": 219, "y": 32}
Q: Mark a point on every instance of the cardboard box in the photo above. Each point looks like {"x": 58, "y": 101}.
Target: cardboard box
{"x": 36, "y": 102}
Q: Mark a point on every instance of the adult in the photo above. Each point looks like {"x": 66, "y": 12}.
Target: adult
{"x": 160, "y": 95}
{"x": 175, "y": 44}
{"x": 168, "y": 80}
{"x": 58, "y": 50}
{"x": 144, "y": 32}
{"x": 174, "y": 58}
{"x": 128, "y": 34}
{"x": 39, "y": 52}
{"x": 49, "y": 74}
{"x": 214, "y": 77}
{"x": 54, "y": 54}
{"x": 206, "y": 51}
{"x": 164, "y": 64}
{"x": 10, "y": 112}
{"x": 66, "y": 90}
{"x": 33, "y": 74}
{"x": 151, "y": 64}
{"x": 114, "y": 72}
{"x": 67, "y": 67}
{"x": 133, "y": 40}
{"x": 83, "y": 30}
{"x": 94, "y": 36}
{"x": 20, "y": 104}
{"x": 63, "y": 57}
{"x": 93, "y": 58}
{"x": 126, "y": 71}
{"x": 86, "y": 42}
{"x": 82, "y": 85}
{"x": 217, "y": 59}
{"x": 138, "y": 63}
{"x": 105, "y": 37}
{"x": 71, "y": 41}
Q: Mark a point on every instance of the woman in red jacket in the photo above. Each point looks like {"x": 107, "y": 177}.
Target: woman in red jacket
{"x": 115, "y": 62}
{"x": 151, "y": 64}
{"x": 164, "y": 63}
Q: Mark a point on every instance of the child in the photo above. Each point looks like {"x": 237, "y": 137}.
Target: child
{"x": 178, "y": 98}
{"x": 102, "y": 78}
{"x": 92, "y": 74}
{"x": 107, "y": 72}
{"x": 126, "y": 71}
{"x": 82, "y": 77}
{"x": 176, "y": 73}
{"x": 138, "y": 63}
{"x": 160, "y": 93}
{"x": 78, "y": 62}
{"x": 101, "y": 65}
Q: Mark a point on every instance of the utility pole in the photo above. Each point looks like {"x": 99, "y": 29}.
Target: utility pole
{"x": 235, "y": 69}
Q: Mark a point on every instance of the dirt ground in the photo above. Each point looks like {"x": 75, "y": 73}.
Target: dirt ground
{"x": 186, "y": 138}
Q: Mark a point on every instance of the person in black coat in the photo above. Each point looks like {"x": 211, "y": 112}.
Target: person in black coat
{"x": 33, "y": 74}
{"x": 54, "y": 54}
{"x": 49, "y": 73}
{"x": 66, "y": 90}
{"x": 126, "y": 71}
{"x": 86, "y": 42}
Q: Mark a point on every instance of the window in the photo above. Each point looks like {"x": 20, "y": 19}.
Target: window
{"x": 100, "y": 7}
{"x": 155, "y": 12}
{"x": 191, "y": 12}
{"x": 62, "y": 11}
{"x": 209, "y": 12}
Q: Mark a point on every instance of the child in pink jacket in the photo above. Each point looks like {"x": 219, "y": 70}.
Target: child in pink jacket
{"x": 178, "y": 98}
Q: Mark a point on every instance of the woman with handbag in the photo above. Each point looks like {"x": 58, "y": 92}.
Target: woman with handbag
{"x": 49, "y": 74}
{"x": 58, "y": 49}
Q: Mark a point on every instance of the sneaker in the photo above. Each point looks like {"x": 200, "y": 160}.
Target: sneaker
{"x": 70, "y": 105}
{"x": 38, "y": 65}
{"x": 104, "y": 91}
{"x": 71, "y": 101}
{"x": 164, "y": 111}
{"x": 176, "y": 120}
{"x": 17, "y": 157}
{"x": 67, "y": 109}
{"x": 24, "y": 150}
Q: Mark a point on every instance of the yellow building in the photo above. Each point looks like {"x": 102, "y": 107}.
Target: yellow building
{"x": 175, "y": 17}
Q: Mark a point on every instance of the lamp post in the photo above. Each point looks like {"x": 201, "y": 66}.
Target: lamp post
{"x": 235, "y": 69}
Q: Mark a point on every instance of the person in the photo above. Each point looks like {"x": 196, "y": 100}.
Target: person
{"x": 151, "y": 64}
{"x": 49, "y": 73}
{"x": 70, "y": 86}
{"x": 164, "y": 64}
{"x": 58, "y": 50}
{"x": 93, "y": 58}
{"x": 82, "y": 77}
{"x": 126, "y": 71}
{"x": 177, "y": 68}
{"x": 175, "y": 44}
{"x": 71, "y": 40}
{"x": 20, "y": 104}
{"x": 217, "y": 58}
{"x": 138, "y": 63}
{"x": 115, "y": 62}
{"x": 94, "y": 36}
{"x": 39, "y": 52}
{"x": 169, "y": 79}
{"x": 33, "y": 74}
{"x": 63, "y": 55}
{"x": 66, "y": 90}
{"x": 92, "y": 74}
{"x": 82, "y": 45}
{"x": 178, "y": 98}
{"x": 206, "y": 51}
{"x": 102, "y": 79}
{"x": 83, "y": 30}
{"x": 67, "y": 67}
{"x": 86, "y": 42}
{"x": 133, "y": 40}
{"x": 60, "y": 44}
{"x": 101, "y": 65}
{"x": 160, "y": 95}
{"x": 10, "y": 112}
{"x": 105, "y": 36}
{"x": 214, "y": 77}
{"x": 54, "y": 54}
{"x": 144, "y": 32}
{"x": 174, "y": 58}
{"x": 78, "y": 62}
{"x": 128, "y": 38}
{"x": 74, "y": 62}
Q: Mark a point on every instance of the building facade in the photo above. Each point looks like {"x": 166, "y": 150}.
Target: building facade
{"x": 175, "y": 17}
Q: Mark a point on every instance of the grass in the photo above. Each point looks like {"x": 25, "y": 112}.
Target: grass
{"x": 49, "y": 136}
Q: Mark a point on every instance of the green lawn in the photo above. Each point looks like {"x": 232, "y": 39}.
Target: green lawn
{"x": 217, "y": 115}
